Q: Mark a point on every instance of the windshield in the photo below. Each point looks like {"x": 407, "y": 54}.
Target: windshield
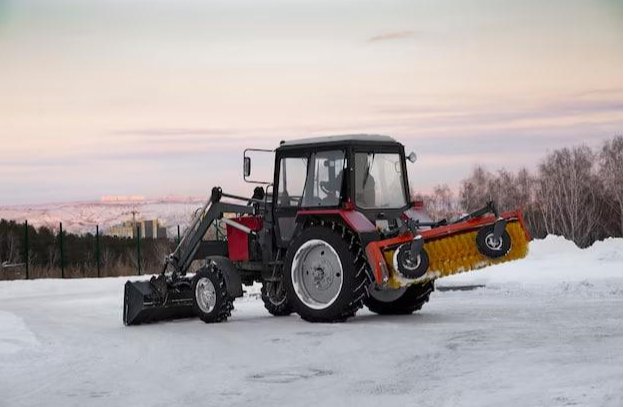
{"x": 379, "y": 181}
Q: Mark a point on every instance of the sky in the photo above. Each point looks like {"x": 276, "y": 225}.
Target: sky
{"x": 160, "y": 97}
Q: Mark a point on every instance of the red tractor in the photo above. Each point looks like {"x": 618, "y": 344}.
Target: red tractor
{"x": 336, "y": 229}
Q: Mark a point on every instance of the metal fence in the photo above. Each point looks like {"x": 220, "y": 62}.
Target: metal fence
{"x": 26, "y": 253}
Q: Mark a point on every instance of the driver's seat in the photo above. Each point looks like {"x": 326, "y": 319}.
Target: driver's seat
{"x": 367, "y": 197}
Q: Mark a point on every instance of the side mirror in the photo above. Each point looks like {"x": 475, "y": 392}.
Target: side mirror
{"x": 264, "y": 170}
{"x": 412, "y": 157}
{"x": 246, "y": 166}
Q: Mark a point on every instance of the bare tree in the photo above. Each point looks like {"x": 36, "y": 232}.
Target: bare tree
{"x": 610, "y": 175}
{"x": 106, "y": 260}
{"x": 53, "y": 257}
{"x": 509, "y": 191}
{"x": 475, "y": 189}
{"x": 13, "y": 248}
{"x": 568, "y": 194}
{"x": 576, "y": 193}
{"x": 441, "y": 204}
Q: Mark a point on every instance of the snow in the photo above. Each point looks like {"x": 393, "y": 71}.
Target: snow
{"x": 15, "y": 336}
{"x": 544, "y": 331}
{"x": 555, "y": 260}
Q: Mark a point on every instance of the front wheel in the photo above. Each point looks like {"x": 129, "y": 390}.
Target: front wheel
{"x": 211, "y": 302}
{"x": 325, "y": 274}
{"x": 275, "y": 299}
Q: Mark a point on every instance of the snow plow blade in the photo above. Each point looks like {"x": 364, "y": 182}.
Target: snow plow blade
{"x": 143, "y": 302}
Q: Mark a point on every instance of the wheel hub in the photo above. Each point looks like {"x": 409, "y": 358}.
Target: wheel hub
{"x": 317, "y": 274}
{"x": 409, "y": 266}
{"x": 205, "y": 294}
{"x": 409, "y": 262}
{"x": 322, "y": 278}
{"x": 492, "y": 243}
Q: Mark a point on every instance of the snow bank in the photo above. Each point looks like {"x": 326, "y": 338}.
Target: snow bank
{"x": 552, "y": 261}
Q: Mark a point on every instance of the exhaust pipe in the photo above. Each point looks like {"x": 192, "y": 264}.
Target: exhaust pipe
{"x": 152, "y": 301}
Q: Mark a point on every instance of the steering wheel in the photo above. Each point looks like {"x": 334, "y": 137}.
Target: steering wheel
{"x": 325, "y": 187}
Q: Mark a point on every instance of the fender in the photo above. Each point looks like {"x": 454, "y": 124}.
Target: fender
{"x": 354, "y": 219}
{"x": 232, "y": 276}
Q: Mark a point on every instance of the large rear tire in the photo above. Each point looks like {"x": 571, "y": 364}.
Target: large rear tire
{"x": 325, "y": 274}
{"x": 211, "y": 301}
{"x": 402, "y": 301}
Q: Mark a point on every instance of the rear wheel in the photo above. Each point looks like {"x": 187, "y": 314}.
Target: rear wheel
{"x": 325, "y": 274}
{"x": 275, "y": 299}
{"x": 211, "y": 302}
{"x": 402, "y": 301}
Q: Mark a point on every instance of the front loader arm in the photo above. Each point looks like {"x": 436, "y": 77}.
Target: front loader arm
{"x": 181, "y": 259}
{"x": 169, "y": 296}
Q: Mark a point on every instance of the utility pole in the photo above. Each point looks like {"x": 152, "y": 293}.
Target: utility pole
{"x": 26, "y": 246}
{"x": 63, "y": 274}
{"x": 139, "y": 267}
{"x": 97, "y": 252}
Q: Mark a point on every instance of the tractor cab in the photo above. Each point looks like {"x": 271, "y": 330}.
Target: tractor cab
{"x": 364, "y": 172}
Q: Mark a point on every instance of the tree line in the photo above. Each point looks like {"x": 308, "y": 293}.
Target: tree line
{"x": 573, "y": 192}
{"x": 83, "y": 256}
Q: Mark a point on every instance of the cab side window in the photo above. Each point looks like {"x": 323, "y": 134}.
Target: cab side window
{"x": 292, "y": 179}
{"x": 325, "y": 179}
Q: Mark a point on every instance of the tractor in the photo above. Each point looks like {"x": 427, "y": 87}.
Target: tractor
{"x": 336, "y": 229}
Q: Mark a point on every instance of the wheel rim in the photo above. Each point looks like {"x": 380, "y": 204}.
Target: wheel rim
{"x": 205, "y": 294}
{"x": 387, "y": 295}
{"x": 317, "y": 274}
{"x": 403, "y": 253}
{"x": 275, "y": 293}
{"x": 493, "y": 244}
{"x": 277, "y": 302}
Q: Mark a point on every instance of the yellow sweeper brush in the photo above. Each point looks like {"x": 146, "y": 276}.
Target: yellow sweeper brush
{"x": 468, "y": 244}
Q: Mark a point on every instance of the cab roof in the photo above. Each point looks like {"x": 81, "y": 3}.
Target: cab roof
{"x": 346, "y": 139}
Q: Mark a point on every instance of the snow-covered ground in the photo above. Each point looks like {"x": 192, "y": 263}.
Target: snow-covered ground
{"x": 544, "y": 331}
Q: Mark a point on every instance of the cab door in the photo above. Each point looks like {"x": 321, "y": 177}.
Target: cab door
{"x": 291, "y": 171}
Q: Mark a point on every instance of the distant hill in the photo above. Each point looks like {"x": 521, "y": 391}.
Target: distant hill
{"x": 82, "y": 217}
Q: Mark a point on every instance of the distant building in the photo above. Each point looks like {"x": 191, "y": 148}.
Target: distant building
{"x": 150, "y": 229}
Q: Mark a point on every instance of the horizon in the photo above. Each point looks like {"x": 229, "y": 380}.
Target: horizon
{"x": 119, "y": 98}
{"x": 181, "y": 198}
